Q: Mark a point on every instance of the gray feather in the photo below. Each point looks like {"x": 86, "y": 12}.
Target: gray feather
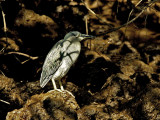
{"x": 63, "y": 51}
{"x": 61, "y": 57}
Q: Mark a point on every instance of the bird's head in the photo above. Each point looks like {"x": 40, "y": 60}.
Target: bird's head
{"x": 78, "y": 35}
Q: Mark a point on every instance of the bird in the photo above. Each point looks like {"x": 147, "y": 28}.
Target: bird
{"x": 61, "y": 57}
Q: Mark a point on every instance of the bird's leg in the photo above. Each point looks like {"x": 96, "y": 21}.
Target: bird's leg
{"x": 61, "y": 86}
{"x": 54, "y": 84}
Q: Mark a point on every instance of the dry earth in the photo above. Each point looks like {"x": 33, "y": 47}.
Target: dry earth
{"x": 116, "y": 77}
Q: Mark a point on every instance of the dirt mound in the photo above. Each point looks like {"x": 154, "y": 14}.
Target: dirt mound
{"x": 117, "y": 75}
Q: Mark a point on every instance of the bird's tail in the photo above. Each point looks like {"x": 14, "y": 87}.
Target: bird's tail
{"x": 43, "y": 81}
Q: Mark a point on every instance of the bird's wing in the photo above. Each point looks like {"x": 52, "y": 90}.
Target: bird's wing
{"x": 51, "y": 63}
{"x": 63, "y": 52}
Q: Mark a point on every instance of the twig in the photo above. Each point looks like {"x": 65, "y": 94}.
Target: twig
{"x": 5, "y": 28}
{"x": 4, "y": 22}
{"x": 131, "y": 13}
{"x": 25, "y": 61}
{"x": 144, "y": 8}
{"x": 20, "y": 61}
{"x": 23, "y": 54}
{"x": 2, "y": 73}
{"x": 96, "y": 15}
{"x": 4, "y": 101}
{"x": 86, "y": 24}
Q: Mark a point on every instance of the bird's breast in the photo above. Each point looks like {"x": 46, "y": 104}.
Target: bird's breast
{"x": 72, "y": 52}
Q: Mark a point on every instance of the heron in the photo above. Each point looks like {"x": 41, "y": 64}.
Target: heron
{"x": 61, "y": 57}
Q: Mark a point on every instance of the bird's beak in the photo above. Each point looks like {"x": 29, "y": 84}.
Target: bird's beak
{"x": 85, "y": 36}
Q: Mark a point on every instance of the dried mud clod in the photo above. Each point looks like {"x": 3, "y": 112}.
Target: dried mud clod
{"x": 101, "y": 112}
{"x": 151, "y": 103}
{"x": 29, "y": 19}
{"x": 9, "y": 90}
{"x": 10, "y": 43}
{"x": 51, "y": 105}
{"x": 116, "y": 76}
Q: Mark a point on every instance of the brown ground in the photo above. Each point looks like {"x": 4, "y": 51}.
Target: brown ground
{"x": 116, "y": 77}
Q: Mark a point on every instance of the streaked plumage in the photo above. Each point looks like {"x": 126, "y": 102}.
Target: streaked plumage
{"x": 61, "y": 57}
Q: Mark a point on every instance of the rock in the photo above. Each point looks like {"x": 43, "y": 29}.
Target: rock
{"x": 51, "y": 105}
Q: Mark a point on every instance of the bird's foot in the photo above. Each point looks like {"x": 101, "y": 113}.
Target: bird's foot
{"x": 63, "y": 91}
{"x": 68, "y": 92}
